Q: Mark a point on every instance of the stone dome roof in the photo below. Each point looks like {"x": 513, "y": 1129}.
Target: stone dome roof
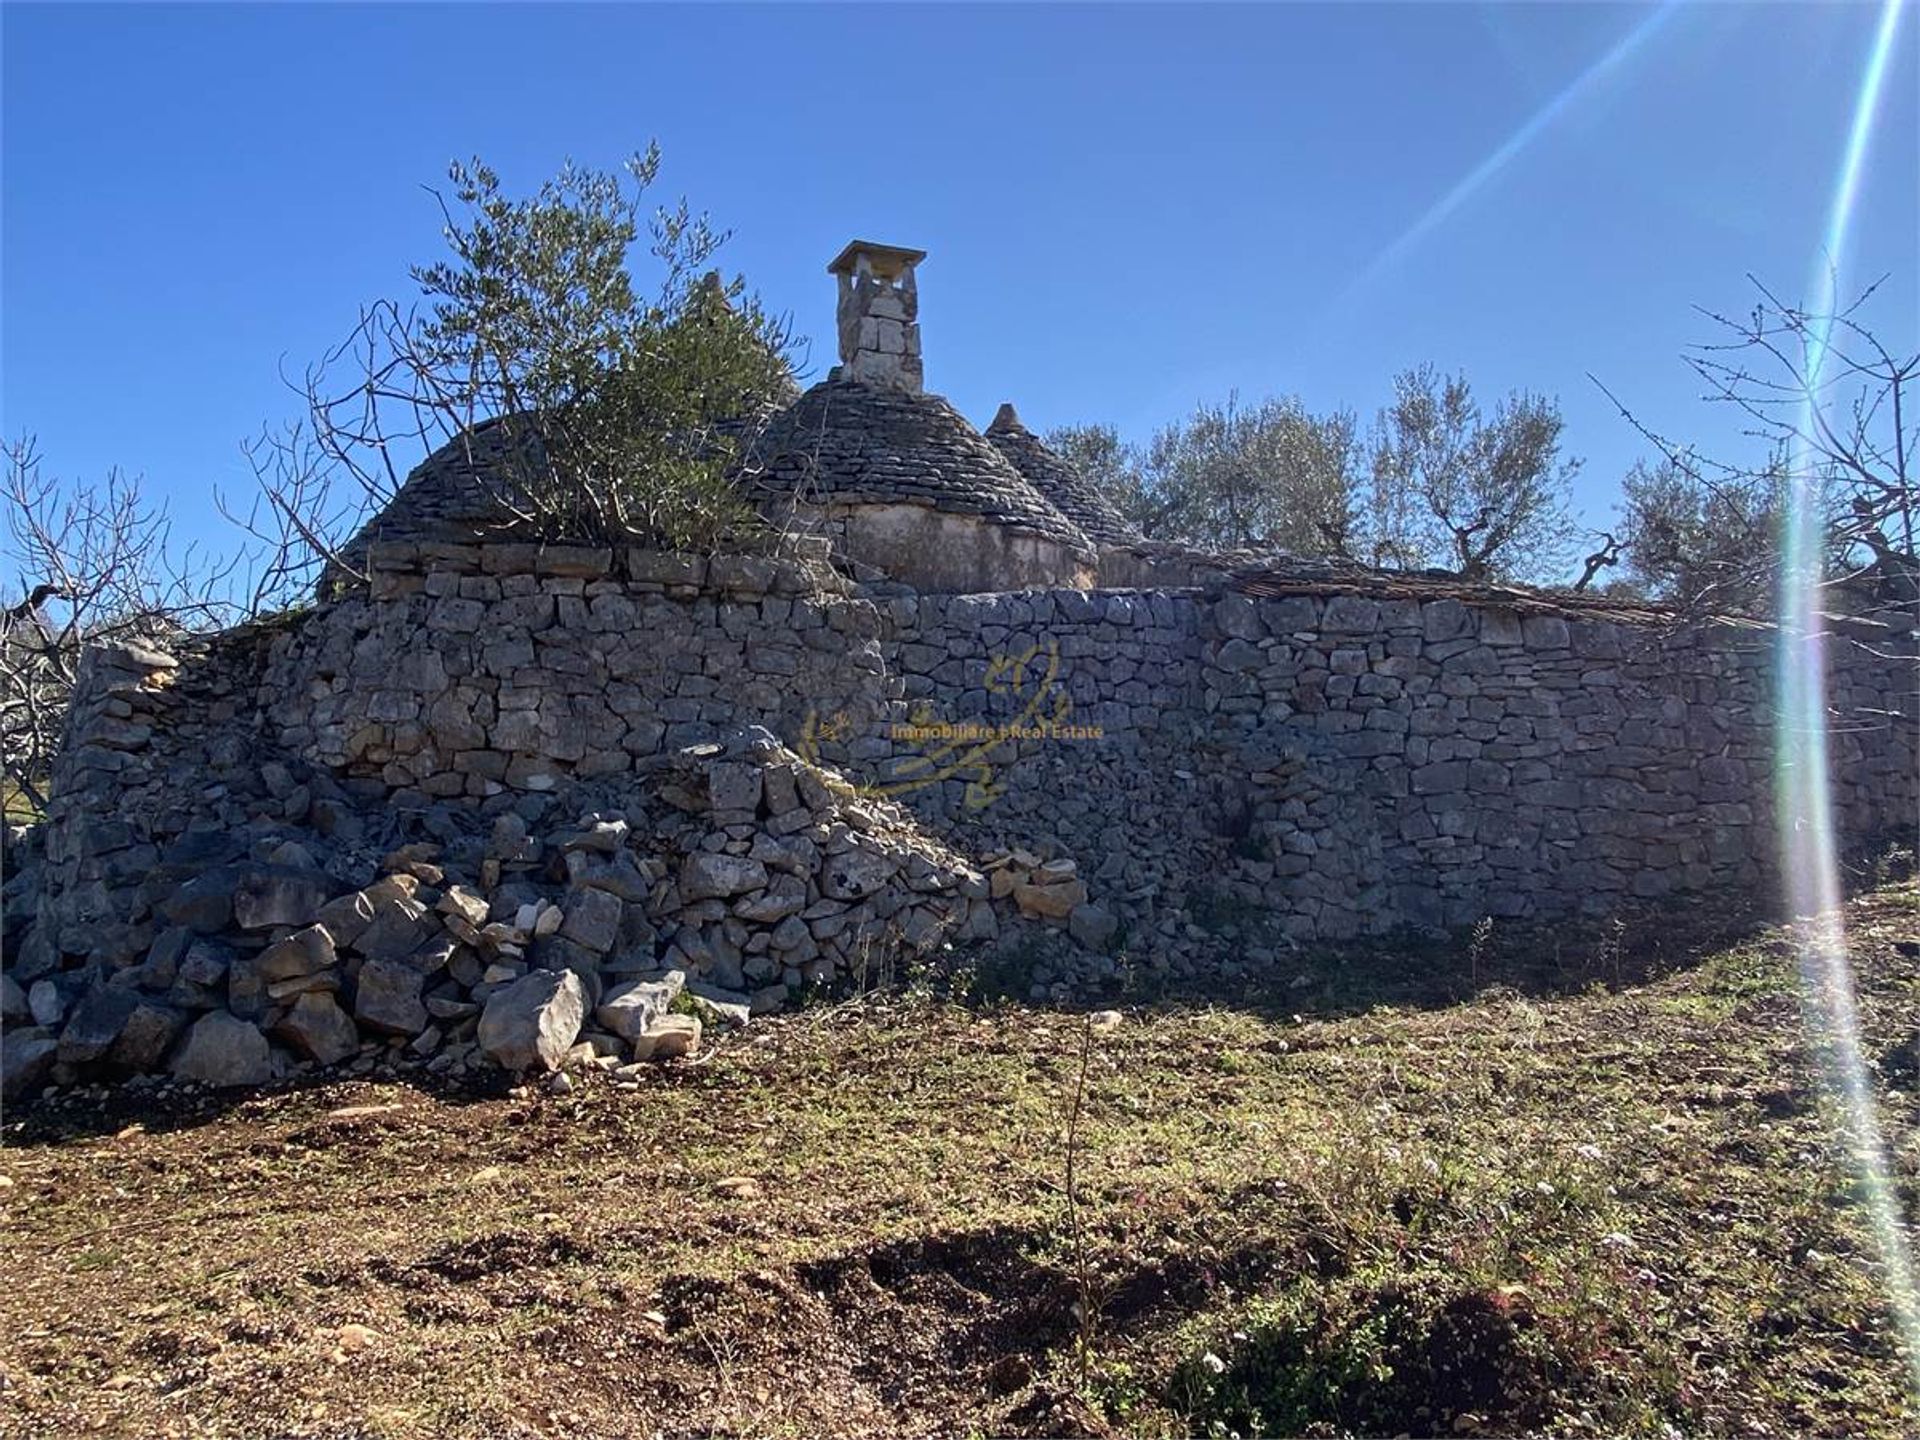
{"x": 847, "y": 442}
{"x": 459, "y": 494}
{"x": 1070, "y": 492}
{"x": 841, "y": 442}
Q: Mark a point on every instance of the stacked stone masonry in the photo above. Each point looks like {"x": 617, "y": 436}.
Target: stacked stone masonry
{"x": 1343, "y": 763}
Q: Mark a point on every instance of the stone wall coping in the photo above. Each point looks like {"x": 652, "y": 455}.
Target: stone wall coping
{"x": 724, "y": 573}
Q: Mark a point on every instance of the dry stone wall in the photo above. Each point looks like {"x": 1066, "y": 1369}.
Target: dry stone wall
{"x": 505, "y": 756}
{"x": 1349, "y": 765}
{"x": 1428, "y": 763}
{"x": 476, "y": 670}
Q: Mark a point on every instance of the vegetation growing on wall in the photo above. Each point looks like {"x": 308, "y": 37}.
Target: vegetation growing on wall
{"x": 621, "y": 411}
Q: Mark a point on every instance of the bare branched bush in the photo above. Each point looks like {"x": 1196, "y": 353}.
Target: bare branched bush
{"x": 89, "y": 563}
{"x": 1831, "y": 405}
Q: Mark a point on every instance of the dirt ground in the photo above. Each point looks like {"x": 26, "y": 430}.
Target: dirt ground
{"x": 1583, "y": 1194}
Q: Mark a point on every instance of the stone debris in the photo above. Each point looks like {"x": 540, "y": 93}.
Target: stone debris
{"x": 222, "y": 1050}
{"x": 1043, "y": 890}
{"x": 671, "y": 1037}
{"x": 317, "y": 1029}
{"x": 738, "y": 878}
{"x": 531, "y": 1023}
{"x": 26, "y": 1060}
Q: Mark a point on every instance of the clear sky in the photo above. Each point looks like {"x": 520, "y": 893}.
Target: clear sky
{"x": 1127, "y": 209}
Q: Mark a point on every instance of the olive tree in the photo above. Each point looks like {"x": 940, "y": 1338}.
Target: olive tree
{"x": 1270, "y": 475}
{"x": 1485, "y": 496}
{"x": 1699, "y": 543}
{"x": 615, "y": 412}
{"x": 1114, "y": 465}
{"x": 1435, "y": 483}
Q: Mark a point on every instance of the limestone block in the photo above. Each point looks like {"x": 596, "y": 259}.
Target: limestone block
{"x": 318, "y": 1029}
{"x": 705, "y": 875}
{"x": 533, "y": 1021}
{"x": 223, "y": 1051}
{"x": 387, "y": 998}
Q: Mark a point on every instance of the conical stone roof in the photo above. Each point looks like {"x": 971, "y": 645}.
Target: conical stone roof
{"x": 461, "y": 493}
{"x": 845, "y": 442}
{"x": 1070, "y": 492}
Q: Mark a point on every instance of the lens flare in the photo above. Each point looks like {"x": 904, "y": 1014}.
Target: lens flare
{"x": 1808, "y": 847}
{"x": 1504, "y": 154}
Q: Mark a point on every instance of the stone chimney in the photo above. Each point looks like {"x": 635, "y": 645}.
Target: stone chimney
{"x": 879, "y": 308}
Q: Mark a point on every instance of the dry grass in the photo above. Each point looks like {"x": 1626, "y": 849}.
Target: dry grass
{"x": 1606, "y": 1211}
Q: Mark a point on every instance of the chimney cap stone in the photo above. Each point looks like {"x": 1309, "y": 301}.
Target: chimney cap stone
{"x": 886, "y": 261}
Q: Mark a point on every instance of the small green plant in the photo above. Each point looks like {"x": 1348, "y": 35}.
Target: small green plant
{"x": 683, "y": 1003}
{"x": 1613, "y": 945}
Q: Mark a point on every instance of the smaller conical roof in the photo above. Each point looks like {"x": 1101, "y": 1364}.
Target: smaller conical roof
{"x": 1070, "y": 492}
{"x": 848, "y": 442}
{"x": 464, "y": 491}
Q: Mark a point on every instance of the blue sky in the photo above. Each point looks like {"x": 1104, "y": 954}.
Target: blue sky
{"x": 1128, "y": 209}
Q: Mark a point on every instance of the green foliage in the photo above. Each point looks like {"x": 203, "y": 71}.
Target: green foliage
{"x": 1693, "y": 540}
{"x": 1113, "y": 464}
{"x": 537, "y": 298}
{"x": 1483, "y": 496}
{"x": 1269, "y": 475}
{"x": 1369, "y": 1360}
{"x": 1437, "y": 482}
{"x": 630, "y": 403}
{"x": 618, "y": 415}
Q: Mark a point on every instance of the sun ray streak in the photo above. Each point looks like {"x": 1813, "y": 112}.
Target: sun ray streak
{"x": 1809, "y": 853}
{"x": 1509, "y": 149}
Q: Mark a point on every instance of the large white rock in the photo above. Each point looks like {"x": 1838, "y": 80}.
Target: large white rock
{"x": 630, "y": 1010}
{"x": 533, "y": 1021}
{"x": 668, "y": 1038}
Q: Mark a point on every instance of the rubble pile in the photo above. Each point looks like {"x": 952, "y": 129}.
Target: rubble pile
{"x": 734, "y": 879}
